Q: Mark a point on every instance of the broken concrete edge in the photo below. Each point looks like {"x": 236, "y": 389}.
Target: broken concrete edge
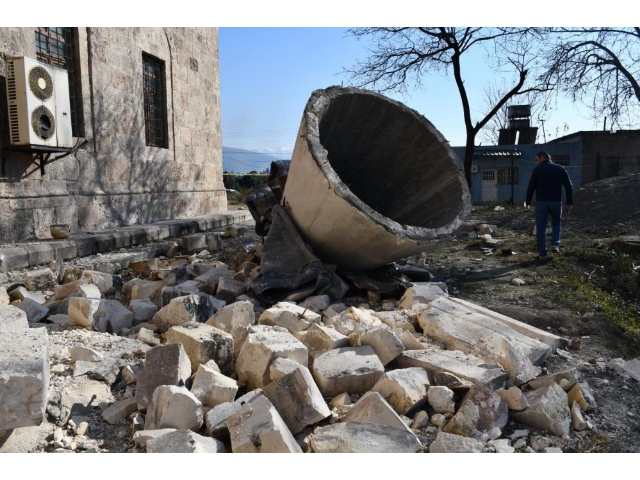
{"x": 29, "y": 255}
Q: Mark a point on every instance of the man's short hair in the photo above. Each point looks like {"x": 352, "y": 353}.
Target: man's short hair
{"x": 544, "y": 155}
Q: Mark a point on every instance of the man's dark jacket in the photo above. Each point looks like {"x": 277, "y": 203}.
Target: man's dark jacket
{"x": 547, "y": 180}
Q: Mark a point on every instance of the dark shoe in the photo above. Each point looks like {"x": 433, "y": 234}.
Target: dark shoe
{"x": 555, "y": 249}
{"x": 544, "y": 259}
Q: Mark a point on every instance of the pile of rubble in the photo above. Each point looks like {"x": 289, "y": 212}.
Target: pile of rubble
{"x": 186, "y": 360}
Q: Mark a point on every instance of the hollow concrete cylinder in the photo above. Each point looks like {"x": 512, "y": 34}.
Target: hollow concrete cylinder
{"x": 371, "y": 181}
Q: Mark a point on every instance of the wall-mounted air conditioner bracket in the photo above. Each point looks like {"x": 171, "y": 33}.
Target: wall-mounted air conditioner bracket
{"x": 42, "y": 154}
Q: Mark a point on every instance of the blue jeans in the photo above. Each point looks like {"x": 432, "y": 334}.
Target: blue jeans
{"x": 543, "y": 211}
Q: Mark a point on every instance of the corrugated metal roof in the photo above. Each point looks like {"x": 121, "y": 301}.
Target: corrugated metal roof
{"x": 496, "y": 153}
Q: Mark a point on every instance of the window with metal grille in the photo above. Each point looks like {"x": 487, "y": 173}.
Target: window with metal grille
{"x": 561, "y": 160}
{"x": 507, "y": 176}
{"x": 57, "y": 46}
{"x": 155, "y": 118}
{"x": 488, "y": 175}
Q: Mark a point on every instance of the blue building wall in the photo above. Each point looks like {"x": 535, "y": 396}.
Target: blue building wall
{"x": 523, "y": 160}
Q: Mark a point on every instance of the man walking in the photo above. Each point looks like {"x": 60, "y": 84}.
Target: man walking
{"x": 547, "y": 180}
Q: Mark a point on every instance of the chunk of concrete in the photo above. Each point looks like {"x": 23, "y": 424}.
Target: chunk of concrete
{"x": 582, "y": 394}
{"x": 12, "y": 319}
{"x": 290, "y": 316}
{"x": 348, "y": 369}
{"x": 421, "y": 293}
{"x": 173, "y": 407}
{"x": 441, "y": 399}
{"x": 189, "y": 308}
{"x": 34, "y": 310}
{"x": 548, "y": 410}
{"x": 148, "y": 336}
{"x": 281, "y": 367}
{"x": 229, "y": 289}
{"x": 258, "y": 428}
{"x": 451, "y": 443}
{"x": 503, "y": 446}
{"x": 184, "y": 441}
{"x": 141, "y": 289}
{"x": 24, "y": 377}
{"x": 318, "y": 338}
{"x": 263, "y": 345}
{"x": 353, "y": 320}
{"x": 384, "y": 341}
{"x": 483, "y": 337}
{"x": 410, "y": 342}
{"x": 202, "y": 343}
{"x": 297, "y": 399}
{"x": 102, "y": 315}
{"x": 514, "y": 398}
{"x": 194, "y": 243}
{"x": 164, "y": 365}
{"x": 119, "y": 411}
{"x": 405, "y": 389}
{"x": 42, "y": 280}
{"x": 355, "y": 437}
{"x": 464, "y": 366}
{"x": 212, "y": 387}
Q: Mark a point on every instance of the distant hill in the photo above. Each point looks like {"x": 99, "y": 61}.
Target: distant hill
{"x": 237, "y": 160}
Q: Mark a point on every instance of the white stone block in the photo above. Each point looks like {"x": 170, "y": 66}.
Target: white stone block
{"x": 258, "y": 428}
{"x": 384, "y": 342}
{"x": 632, "y": 368}
{"x": 290, "y": 316}
{"x": 355, "y": 437}
{"x": 548, "y": 410}
{"x": 318, "y": 338}
{"x": 84, "y": 354}
{"x": 421, "y": 293}
{"x": 164, "y": 365}
{"x": 173, "y": 407}
{"x": 24, "y": 377}
{"x": 189, "y": 308}
{"x": 202, "y": 343}
{"x": 183, "y": 441}
{"x": 103, "y": 281}
{"x": 404, "y": 389}
{"x": 297, "y": 399}
{"x": 353, "y": 320}
{"x": 514, "y": 398}
{"x": 263, "y": 345}
{"x": 582, "y": 394}
{"x": 451, "y": 443}
{"x": 441, "y": 399}
{"x": 143, "y": 310}
{"x": 34, "y": 310}
{"x": 348, "y": 369}
{"x": 12, "y": 319}
{"x": 102, "y": 315}
{"x": 480, "y": 411}
{"x": 119, "y": 411}
{"x": 212, "y": 387}
{"x": 43, "y": 279}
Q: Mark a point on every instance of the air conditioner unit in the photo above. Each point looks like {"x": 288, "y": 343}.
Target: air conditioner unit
{"x": 38, "y": 100}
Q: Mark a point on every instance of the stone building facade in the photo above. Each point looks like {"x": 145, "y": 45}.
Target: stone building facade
{"x": 147, "y": 130}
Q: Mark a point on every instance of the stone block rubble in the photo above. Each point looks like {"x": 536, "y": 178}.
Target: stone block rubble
{"x": 213, "y": 370}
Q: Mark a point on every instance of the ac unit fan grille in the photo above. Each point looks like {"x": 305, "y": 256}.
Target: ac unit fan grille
{"x": 43, "y": 122}
{"x": 11, "y": 82}
{"x": 40, "y": 83}
{"x": 14, "y": 129}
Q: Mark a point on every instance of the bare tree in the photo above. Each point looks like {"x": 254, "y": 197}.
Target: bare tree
{"x": 401, "y": 57}
{"x": 597, "y": 65}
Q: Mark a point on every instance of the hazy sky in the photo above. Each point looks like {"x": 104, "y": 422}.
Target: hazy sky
{"x": 268, "y": 74}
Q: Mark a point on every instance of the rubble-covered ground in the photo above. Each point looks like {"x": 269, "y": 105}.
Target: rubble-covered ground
{"x": 588, "y": 295}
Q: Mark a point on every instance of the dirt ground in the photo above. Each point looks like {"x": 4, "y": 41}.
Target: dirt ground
{"x": 588, "y": 293}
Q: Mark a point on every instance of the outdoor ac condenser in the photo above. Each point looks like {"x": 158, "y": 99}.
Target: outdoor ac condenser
{"x": 38, "y": 101}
